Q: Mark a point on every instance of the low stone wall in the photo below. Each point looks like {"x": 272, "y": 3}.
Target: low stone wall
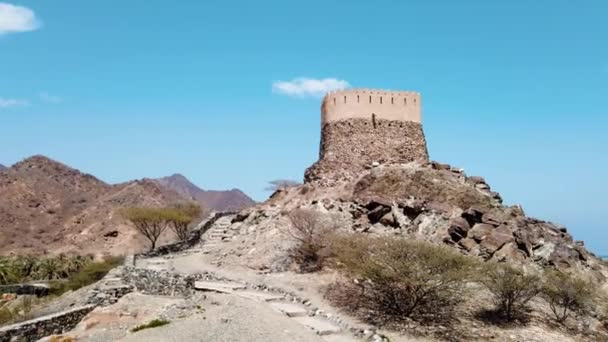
{"x": 26, "y": 289}
{"x": 350, "y": 146}
{"x": 38, "y": 328}
{"x": 192, "y": 240}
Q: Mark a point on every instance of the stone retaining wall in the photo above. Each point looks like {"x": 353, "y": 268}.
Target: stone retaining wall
{"x": 26, "y": 289}
{"x": 38, "y": 328}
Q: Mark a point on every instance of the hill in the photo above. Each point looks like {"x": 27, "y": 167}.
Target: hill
{"x": 2, "y": 167}
{"x": 228, "y": 200}
{"x": 48, "y": 207}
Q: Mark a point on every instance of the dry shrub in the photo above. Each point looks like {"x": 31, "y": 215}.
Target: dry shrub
{"x": 511, "y": 289}
{"x": 425, "y": 184}
{"x": 391, "y": 278}
{"x": 567, "y": 294}
{"x": 310, "y": 230}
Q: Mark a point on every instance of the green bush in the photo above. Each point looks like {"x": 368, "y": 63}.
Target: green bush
{"x": 567, "y": 294}
{"x": 152, "y": 324}
{"x": 511, "y": 288}
{"x": 391, "y": 278}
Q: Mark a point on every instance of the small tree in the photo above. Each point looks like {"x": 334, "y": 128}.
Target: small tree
{"x": 511, "y": 287}
{"x": 310, "y": 229}
{"x": 566, "y": 294}
{"x": 181, "y": 217}
{"x": 150, "y": 222}
{"x": 280, "y": 184}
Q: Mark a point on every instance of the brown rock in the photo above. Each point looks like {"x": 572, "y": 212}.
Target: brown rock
{"x": 490, "y": 219}
{"x": 480, "y": 231}
{"x": 476, "y": 180}
{"x": 389, "y": 220}
{"x": 467, "y": 244}
{"x": 377, "y": 213}
{"x": 440, "y": 207}
{"x": 509, "y": 251}
{"x": 473, "y": 215}
{"x": 494, "y": 241}
{"x": 458, "y": 228}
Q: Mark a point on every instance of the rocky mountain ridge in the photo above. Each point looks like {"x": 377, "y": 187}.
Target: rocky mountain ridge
{"x": 218, "y": 200}
{"x": 49, "y": 207}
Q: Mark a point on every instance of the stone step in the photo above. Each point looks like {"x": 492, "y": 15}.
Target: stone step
{"x": 259, "y": 296}
{"x": 320, "y": 326}
{"x": 291, "y": 310}
{"x": 217, "y": 286}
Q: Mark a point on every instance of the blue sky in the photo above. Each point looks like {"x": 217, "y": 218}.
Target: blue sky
{"x": 515, "y": 91}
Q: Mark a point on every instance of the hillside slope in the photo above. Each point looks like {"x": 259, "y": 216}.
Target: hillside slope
{"x": 218, "y": 200}
{"x": 48, "y": 207}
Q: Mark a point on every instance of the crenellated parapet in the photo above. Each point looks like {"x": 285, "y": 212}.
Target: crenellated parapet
{"x": 368, "y": 103}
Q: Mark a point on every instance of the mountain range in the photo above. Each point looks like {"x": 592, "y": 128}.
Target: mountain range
{"x": 2, "y": 167}
{"x": 47, "y": 207}
{"x": 228, "y": 200}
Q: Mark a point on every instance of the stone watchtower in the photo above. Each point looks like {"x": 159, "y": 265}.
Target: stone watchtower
{"x": 362, "y": 127}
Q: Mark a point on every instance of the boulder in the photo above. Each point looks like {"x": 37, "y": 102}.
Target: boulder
{"x": 389, "y": 220}
{"x": 490, "y": 219}
{"x": 482, "y": 186}
{"x": 495, "y": 240}
{"x": 523, "y": 241}
{"x": 476, "y": 180}
{"x": 473, "y": 215}
{"x": 480, "y": 231}
{"x": 509, "y": 251}
{"x": 413, "y": 208}
{"x": 440, "y": 207}
{"x": 377, "y": 213}
{"x": 467, "y": 244}
{"x": 458, "y": 228}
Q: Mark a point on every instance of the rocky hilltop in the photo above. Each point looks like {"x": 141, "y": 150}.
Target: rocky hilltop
{"x": 218, "y": 200}
{"x": 432, "y": 202}
{"x": 48, "y": 207}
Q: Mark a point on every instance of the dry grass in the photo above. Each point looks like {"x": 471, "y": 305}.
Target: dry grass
{"x": 310, "y": 229}
{"x": 424, "y": 184}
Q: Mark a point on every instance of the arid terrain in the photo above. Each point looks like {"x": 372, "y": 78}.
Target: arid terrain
{"x": 242, "y": 264}
{"x": 229, "y": 200}
{"x": 49, "y": 208}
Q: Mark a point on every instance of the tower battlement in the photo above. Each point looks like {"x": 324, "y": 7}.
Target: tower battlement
{"x": 363, "y": 103}
{"x": 365, "y": 127}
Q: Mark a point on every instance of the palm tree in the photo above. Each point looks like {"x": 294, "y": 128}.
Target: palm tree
{"x": 7, "y": 272}
{"x": 50, "y": 269}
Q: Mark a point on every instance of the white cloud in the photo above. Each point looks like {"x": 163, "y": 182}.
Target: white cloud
{"x": 9, "y": 103}
{"x": 48, "y": 98}
{"x": 15, "y": 18}
{"x": 308, "y": 86}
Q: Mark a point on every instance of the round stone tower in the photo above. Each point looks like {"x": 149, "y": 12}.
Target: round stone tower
{"x": 360, "y": 128}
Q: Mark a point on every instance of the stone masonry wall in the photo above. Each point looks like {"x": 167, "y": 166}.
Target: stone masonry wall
{"x": 348, "y": 147}
{"x": 38, "y": 328}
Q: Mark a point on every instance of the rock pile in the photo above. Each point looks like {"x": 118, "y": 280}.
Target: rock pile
{"x": 425, "y": 201}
